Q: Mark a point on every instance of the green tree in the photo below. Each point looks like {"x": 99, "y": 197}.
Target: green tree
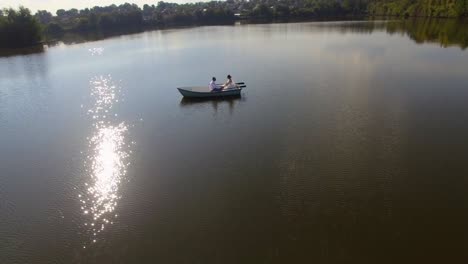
{"x": 282, "y": 10}
{"x": 18, "y": 28}
{"x": 262, "y": 10}
{"x": 61, "y": 12}
{"x": 43, "y": 16}
{"x": 54, "y": 29}
{"x": 461, "y": 7}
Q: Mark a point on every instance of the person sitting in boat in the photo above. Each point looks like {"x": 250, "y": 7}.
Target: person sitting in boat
{"x": 213, "y": 86}
{"x": 229, "y": 83}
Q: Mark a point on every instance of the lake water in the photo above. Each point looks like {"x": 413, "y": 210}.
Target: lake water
{"x": 349, "y": 145}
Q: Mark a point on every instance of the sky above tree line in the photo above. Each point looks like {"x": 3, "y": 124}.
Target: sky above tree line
{"x": 53, "y": 5}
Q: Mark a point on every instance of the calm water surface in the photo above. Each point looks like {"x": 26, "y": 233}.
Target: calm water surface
{"x": 349, "y": 145}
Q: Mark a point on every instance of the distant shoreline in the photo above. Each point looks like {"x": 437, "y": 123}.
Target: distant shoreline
{"x": 20, "y": 28}
{"x": 70, "y": 38}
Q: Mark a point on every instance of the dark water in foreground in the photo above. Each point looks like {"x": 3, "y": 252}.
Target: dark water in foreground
{"x": 348, "y": 146}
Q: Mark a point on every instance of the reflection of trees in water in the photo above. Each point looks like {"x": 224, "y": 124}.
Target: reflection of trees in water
{"x": 362, "y": 27}
{"x": 77, "y": 37}
{"x": 446, "y": 32}
{"x": 21, "y": 51}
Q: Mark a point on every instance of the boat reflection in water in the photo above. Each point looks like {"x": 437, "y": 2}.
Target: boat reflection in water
{"x": 194, "y": 101}
{"x": 231, "y": 101}
{"x": 107, "y": 161}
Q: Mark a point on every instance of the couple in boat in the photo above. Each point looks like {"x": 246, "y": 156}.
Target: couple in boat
{"x": 227, "y": 85}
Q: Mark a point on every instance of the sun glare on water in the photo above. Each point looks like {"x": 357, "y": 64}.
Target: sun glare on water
{"x": 107, "y": 161}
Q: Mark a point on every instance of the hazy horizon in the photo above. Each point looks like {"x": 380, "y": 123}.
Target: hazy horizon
{"x": 54, "y": 5}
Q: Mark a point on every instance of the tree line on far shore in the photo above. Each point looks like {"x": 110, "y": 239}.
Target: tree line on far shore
{"x": 20, "y": 28}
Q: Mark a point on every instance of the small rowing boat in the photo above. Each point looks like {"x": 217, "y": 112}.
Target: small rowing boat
{"x": 205, "y": 91}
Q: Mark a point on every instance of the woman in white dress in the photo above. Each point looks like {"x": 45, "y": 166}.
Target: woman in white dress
{"x": 229, "y": 84}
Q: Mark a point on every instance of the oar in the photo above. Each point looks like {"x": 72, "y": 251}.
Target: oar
{"x": 239, "y": 83}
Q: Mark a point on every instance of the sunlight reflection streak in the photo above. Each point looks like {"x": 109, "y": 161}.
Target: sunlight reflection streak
{"x": 106, "y": 165}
